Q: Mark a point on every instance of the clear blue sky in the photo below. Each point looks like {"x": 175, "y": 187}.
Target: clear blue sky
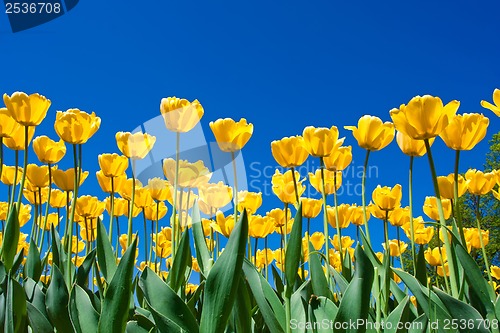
{"x": 281, "y": 64}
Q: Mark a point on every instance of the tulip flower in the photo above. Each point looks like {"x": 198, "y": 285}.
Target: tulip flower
{"x": 17, "y": 139}
{"x": 310, "y": 207}
{"x": 431, "y": 210}
{"x": 47, "y": 150}
{"x": 126, "y": 189}
{"x": 59, "y": 199}
{"x": 180, "y": 115}
{"x": 160, "y": 189}
{"x": 399, "y": 216}
{"x": 89, "y": 207}
{"x": 143, "y": 198}
{"x": 480, "y": 183}
{"x": 65, "y": 179}
{"x": 224, "y": 225}
{"x": 76, "y": 127}
{"x": 135, "y": 146}
{"x": 345, "y": 240}
{"x": 332, "y": 180}
{"x": 496, "y": 99}
{"x": 8, "y": 125}
{"x": 411, "y": 147}
{"x": 216, "y": 195}
{"x": 105, "y": 182}
{"x": 371, "y": 134}
{"x": 387, "y": 198}
{"x": 120, "y": 207}
{"x": 321, "y": 141}
{"x": 465, "y": 131}
{"x": 185, "y": 200}
{"x": 112, "y": 165}
{"x": 435, "y": 256}
{"x": 357, "y": 215}
{"x": 260, "y": 226}
{"x": 27, "y": 110}
{"x": 151, "y": 211}
{"x": 231, "y": 136}
{"x": 495, "y": 271}
{"x": 317, "y": 239}
{"x": 339, "y": 159}
{"x": 446, "y": 186}
{"x": 38, "y": 176}
{"x": 251, "y": 201}
{"x": 289, "y": 152}
{"x": 424, "y": 117}
{"x": 344, "y": 216}
{"x": 396, "y": 247}
{"x": 280, "y": 216}
{"x": 191, "y": 175}
{"x": 9, "y": 174}
{"x": 284, "y": 186}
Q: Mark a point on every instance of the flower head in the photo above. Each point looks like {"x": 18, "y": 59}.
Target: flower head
{"x": 76, "y": 127}
{"x": 496, "y": 99}
{"x": 180, "y": 115}
{"x": 47, "y": 150}
{"x": 372, "y": 133}
{"x": 289, "y": 152}
{"x": 321, "y": 141}
{"x": 27, "y": 110}
{"x": 231, "y": 136}
{"x": 465, "y": 131}
{"x": 135, "y": 146}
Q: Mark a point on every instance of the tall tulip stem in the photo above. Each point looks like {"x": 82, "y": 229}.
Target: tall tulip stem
{"x": 23, "y": 177}
{"x": 295, "y": 185}
{"x": 131, "y": 207}
{"x": 235, "y": 192}
{"x": 76, "y": 182}
{"x": 483, "y": 247}
{"x": 112, "y": 209}
{"x": 325, "y": 220}
{"x": 458, "y": 214}
{"x": 442, "y": 221}
{"x": 412, "y": 230}
{"x": 339, "y": 231}
{"x": 363, "y": 199}
{"x": 173, "y": 220}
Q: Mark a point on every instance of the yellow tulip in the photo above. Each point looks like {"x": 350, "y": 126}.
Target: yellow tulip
{"x": 37, "y": 196}
{"x": 120, "y": 207}
{"x": 431, "y": 209}
{"x": 321, "y": 141}
{"x": 334, "y": 259}
{"x": 496, "y": 99}
{"x": 387, "y": 198}
{"x": 38, "y": 176}
{"x": 264, "y": 258}
{"x": 396, "y": 248}
{"x": 8, "y": 175}
{"x": 105, "y": 182}
{"x": 424, "y": 117}
{"x": 357, "y": 215}
{"x": 447, "y": 186}
{"x": 399, "y": 216}
{"x": 76, "y": 127}
{"x": 224, "y": 225}
{"x": 143, "y": 198}
{"x": 465, "y": 131}
{"x": 284, "y": 229}
{"x": 8, "y": 125}
{"x": 344, "y": 217}
{"x": 24, "y": 214}
{"x": 58, "y": 198}
{"x": 472, "y": 237}
{"x": 279, "y": 217}
{"x": 88, "y": 234}
{"x": 216, "y": 195}
{"x": 339, "y": 159}
{"x": 180, "y": 115}
{"x": 346, "y": 242}
{"x": 231, "y": 136}
{"x": 194, "y": 264}
{"x": 434, "y": 256}
{"x": 251, "y": 201}
{"x": 191, "y": 288}
{"x": 191, "y": 175}
{"x": 184, "y": 204}
{"x": 125, "y": 191}
{"x": 123, "y": 240}
{"x": 4, "y": 207}
{"x": 112, "y": 165}
{"x": 317, "y": 239}
{"x": 77, "y": 246}
{"x": 135, "y": 146}
{"x": 52, "y": 220}
{"x": 47, "y": 150}
{"x": 333, "y": 180}
{"x": 480, "y": 183}
{"x": 65, "y": 179}
{"x": 283, "y": 186}
{"x": 279, "y": 257}
{"x": 423, "y": 234}
{"x": 150, "y": 211}
{"x": 89, "y": 207}
{"x": 495, "y": 272}
{"x": 17, "y": 139}
{"x": 289, "y": 152}
{"x": 160, "y": 189}
{"x": 27, "y": 110}
{"x": 411, "y": 147}
{"x": 310, "y": 207}
{"x": 260, "y": 226}
{"x": 440, "y": 270}
{"x": 377, "y": 212}
{"x": 371, "y": 133}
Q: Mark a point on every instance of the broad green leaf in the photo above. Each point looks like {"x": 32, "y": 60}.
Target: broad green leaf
{"x": 369, "y": 251}
{"x": 182, "y": 260}
{"x": 105, "y": 255}
{"x": 167, "y": 308}
{"x": 321, "y": 311}
{"x": 15, "y": 307}
{"x": 356, "y": 301}
{"x": 339, "y": 279}
{"x": 399, "y": 315}
{"x": 57, "y": 299}
{"x": 33, "y": 265}
{"x": 83, "y": 315}
{"x": 200, "y": 245}
{"x": 318, "y": 280}
{"x": 421, "y": 271}
{"x": 242, "y": 310}
{"x": 419, "y": 325}
{"x": 134, "y": 327}
{"x": 35, "y": 296}
{"x": 270, "y": 306}
{"x": 222, "y": 281}
{"x": 115, "y": 306}
{"x": 82, "y": 273}
{"x": 278, "y": 282}
{"x": 37, "y": 321}
{"x": 18, "y": 261}
{"x": 293, "y": 252}
{"x": 10, "y": 238}
{"x": 298, "y": 317}
{"x": 59, "y": 257}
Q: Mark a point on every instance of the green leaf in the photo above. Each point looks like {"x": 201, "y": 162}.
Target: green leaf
{"x": 270, "y": 306}
{"x": 182, "y": 260}
{"x": 167, "y": 308}
{"x": 35, "y": 295}
{"x": 421, "y": 271}
{"x": 134, "y": 327}
{"x": 83, "y": 315}
{"x": 356, "y": 301}
{"x": 33, "y": 266}
{"x": 242, "y": 309}
{"x": 82, "y": 273}
{"x": 419, "y": 325}
{"x": 10, "y": 238}
{"x": 298, "y": 310}
{"x": 15, "y": 307}
{"x": 278, "y": 283}
{"x": 293, "y": 252}
{"x": 115, "y": 306}
{"x": 37, "y": 321}
{"x": 321, "y": 310}
{"x": 399, "y": 315}
{"x": 105, "y": 254}
{"x": 59, "y": 257}
{"x": 318, "y": 280}
{"x": 57, "y": 302}
{"x": 222, "y": 281}
{"x": 200, "y": 245}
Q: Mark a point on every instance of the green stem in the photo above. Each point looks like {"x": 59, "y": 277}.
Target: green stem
{"x": 76, "y": 183}
{"x": 131, "y": 207}
{"x": 14, "y": 184}
{"x": 145, "y": 237}
{"x": 412, "y": 229}
{"x": 458, "y": 214}
{"x": 23, "y": 177}
{"x": 295, "y": 186}
{"x": 173, "y": 221}
{"x": 363, "y": 199}
{"x": 112, "y": 209}
{"x": 483, "y": 247}
{"x": 235, "y": 192}
{"x": 339, "y": 233}
{"x": 442, "y": 221}
{"x": 265, "y": 254}
{"x": 325, "y": 220}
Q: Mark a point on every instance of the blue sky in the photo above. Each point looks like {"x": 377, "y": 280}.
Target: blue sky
{"x": 283, "y": 65}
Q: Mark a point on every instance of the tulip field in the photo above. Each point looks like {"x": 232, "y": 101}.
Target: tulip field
{"x": 170, "y": 256}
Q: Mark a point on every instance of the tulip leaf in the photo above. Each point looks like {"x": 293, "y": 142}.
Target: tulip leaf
{"x": 82, "y": 273}
{"x": 399, "y": 315}
{"x": 57, "y": 299}
{"x": 200, "y": 244}
{"x": 242, "y": 309}
{"x": 462, "y": 312}
{"x": 298, "y": 311}
{"x": 35, "y": 295}
{"x": 18, "y": 261}
{"x": 369, "y": 251}
{"x": 339, "y": 279}
{"x": 83, "y": 315}
{"x": 134, "y": 327}
{"x": 419, "y": 325}
{"x": 293, "y": 252}
{"x": 15, "y": 307}
{"x": 222, "y": 281}
{"x": 168, "y": 309}
{"x": 269, "y": 305}
{"x": 356, "y": 301}
{"x": 33, "y": 266}
{"x": 318, "y": 280}
{"x": 59, "y": 257}
{"x": 321, "y": 310}
{"x": 182, "y": 260}
{"x": 278, "y": 283}
{"x": 38, "y": 322}
{"x": 105, "y": 254}
{"x": 116, "y": 303}
{"x": 10, "y": 238}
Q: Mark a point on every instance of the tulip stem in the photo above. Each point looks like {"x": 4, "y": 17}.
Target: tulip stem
{"x": 47, "y": 205}
{"x": 131, "y": 207}
{"x": 458, "y": 214}
{"x": 295, "y": 185}
{"x": 337, "y": 224}
{"x": 445, "y": 277}
{"x": 173, "y": 221}
{"x": 156, "y": 235}
{"x": 399, "y": 249}
{"x": 69, "y": 240}
{"x": 483, "y": 247}
{"x": 112, "y": 209}
{"x": 145, "y": 236}
{"x": 23, "y": 177}
{"x": 412, "y": 230}
{"x": 363, "y": 199}
{"x": 235, "y": 194}
{"x": 267, "y": 263}
{"x": 256, "y": 243}
{"x": 1, "y": 156}
{"x": 325, "y": 220}
{"x": 14, "y": 184}
{"x": 285, "y": 232}
{"x": 451, "y": 263}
